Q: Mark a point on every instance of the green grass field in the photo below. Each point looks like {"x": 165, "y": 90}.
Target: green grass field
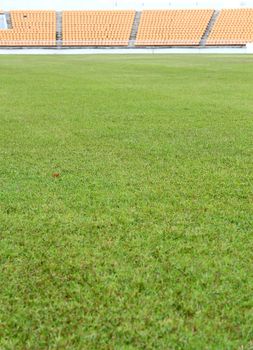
{"x": 145, "y": 241}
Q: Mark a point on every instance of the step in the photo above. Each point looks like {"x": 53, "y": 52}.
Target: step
{"x": 209, "y": 28}
{"x": 59, "y": 28}
{"x": 134, "y": 29}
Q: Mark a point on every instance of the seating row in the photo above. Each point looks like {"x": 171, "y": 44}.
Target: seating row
{"x": 114, "y": 28}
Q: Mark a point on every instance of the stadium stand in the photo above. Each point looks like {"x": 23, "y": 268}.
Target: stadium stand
{"x": 127, "y": 28}
{"x": 233, "y": 27}
{"x": 97, "y": 28}
{"x": 173, "y": 27}
{"x": 30, "y": 28}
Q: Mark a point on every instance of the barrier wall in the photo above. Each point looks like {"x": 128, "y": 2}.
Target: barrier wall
{"x": 127, "y": 51}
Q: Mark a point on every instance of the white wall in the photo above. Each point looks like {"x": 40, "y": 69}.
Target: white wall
{"x": 126, "y": 51}
{"x": 121, "y": 4}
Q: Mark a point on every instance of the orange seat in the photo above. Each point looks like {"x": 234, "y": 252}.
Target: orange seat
{"x": 30, "y": 28}
{"x": 97, "y": 28}
{"x": 233, "y": 27}
{"x": 172, "y": 27}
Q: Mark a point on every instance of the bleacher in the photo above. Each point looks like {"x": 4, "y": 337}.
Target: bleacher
{"x": 160, "y": 28}
{"x": 172, "y": 27}
{"x": 30, "y": 28}
{"x": 97, "y": 28}
{"x": 233, "y": 27}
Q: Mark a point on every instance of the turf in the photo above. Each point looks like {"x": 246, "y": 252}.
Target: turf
{"x": 145, "y": 239}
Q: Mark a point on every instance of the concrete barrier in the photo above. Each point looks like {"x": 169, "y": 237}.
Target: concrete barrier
{"x": 96, "y": 51}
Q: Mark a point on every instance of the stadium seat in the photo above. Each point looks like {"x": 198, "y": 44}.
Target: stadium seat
{"x": 233, "y": 27}
{"x": 30, "y": 28}
{"x": 172, "y": 27}
{"x": 97, "y": 28}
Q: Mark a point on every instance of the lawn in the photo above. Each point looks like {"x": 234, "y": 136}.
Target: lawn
{"x": 145, "y": 239}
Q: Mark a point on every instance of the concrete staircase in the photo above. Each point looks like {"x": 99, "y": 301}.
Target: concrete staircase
{"x": 135, "y": 29}
{"x": 8, "y": 20}
{"x": 209, "y": 28}
{"x": 59, "y": 29}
